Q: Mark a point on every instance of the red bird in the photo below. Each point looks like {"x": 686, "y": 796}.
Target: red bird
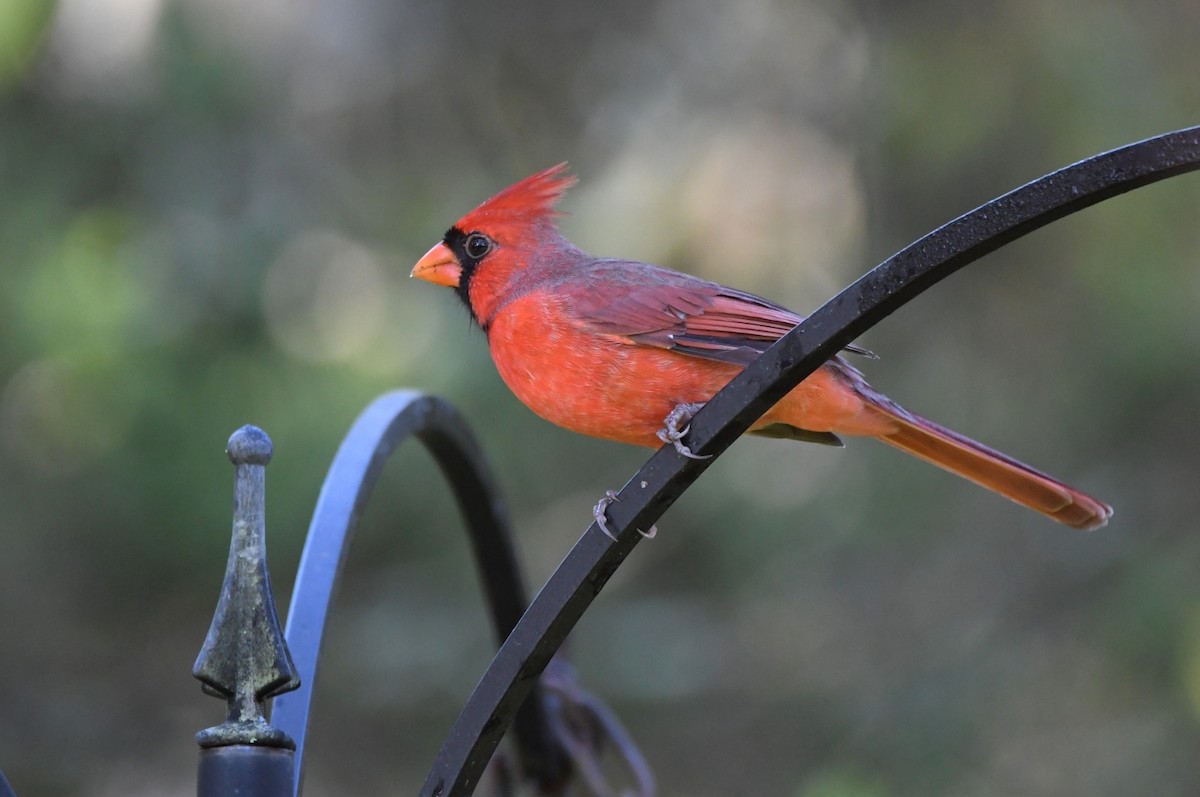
{"x": 628, "y": 351}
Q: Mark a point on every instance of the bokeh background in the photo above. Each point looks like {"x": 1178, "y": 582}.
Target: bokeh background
{"x": 208, "y": 211}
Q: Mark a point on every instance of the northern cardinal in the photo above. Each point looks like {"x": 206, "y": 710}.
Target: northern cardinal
{"x": 628, "y": 351}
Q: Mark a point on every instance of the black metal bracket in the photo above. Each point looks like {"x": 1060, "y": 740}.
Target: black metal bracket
{"x": 659, "y": 483}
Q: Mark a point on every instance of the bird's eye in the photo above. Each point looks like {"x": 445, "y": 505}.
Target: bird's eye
{"x": 477, "y": 245}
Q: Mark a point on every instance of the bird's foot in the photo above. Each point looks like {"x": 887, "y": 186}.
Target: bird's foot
{"x": 671, "y": 433}
{"x": 610, "y": 497}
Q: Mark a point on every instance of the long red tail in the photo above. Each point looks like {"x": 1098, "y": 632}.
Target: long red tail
{"x": 991, "y": 469}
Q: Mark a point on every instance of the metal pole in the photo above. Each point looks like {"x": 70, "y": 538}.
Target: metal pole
{"x": 242, "y": 769}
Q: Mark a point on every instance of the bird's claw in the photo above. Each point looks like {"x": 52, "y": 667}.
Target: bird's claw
{"x": 673, "y": 434}
{"x": 598, "y": 513}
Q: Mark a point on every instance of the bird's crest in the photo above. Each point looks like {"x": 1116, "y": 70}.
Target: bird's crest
{"x": 532, "y": 199}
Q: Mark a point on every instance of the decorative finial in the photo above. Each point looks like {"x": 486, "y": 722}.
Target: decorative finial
{"x": 245, "y": 659}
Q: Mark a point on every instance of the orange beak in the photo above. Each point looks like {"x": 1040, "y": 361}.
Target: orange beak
{"x": 439, "y": 266}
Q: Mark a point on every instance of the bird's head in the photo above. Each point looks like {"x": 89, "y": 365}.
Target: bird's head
{"x": 488, "y": 252}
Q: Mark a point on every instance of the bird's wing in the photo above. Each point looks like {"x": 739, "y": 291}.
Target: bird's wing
{"x": 653, "y": 306}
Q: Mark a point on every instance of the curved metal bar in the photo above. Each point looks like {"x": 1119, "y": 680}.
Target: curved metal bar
{"x": 900, "y": 278}
{"x": 379, "y": 430}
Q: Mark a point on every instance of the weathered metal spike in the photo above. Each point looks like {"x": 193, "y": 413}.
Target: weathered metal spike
{"x": 245, "y": 659}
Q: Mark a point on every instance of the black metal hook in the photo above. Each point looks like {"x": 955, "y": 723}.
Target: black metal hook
{"x": 376, "y": 434}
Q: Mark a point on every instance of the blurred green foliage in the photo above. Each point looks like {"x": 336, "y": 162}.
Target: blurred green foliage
{"x": 207, "y": 214}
